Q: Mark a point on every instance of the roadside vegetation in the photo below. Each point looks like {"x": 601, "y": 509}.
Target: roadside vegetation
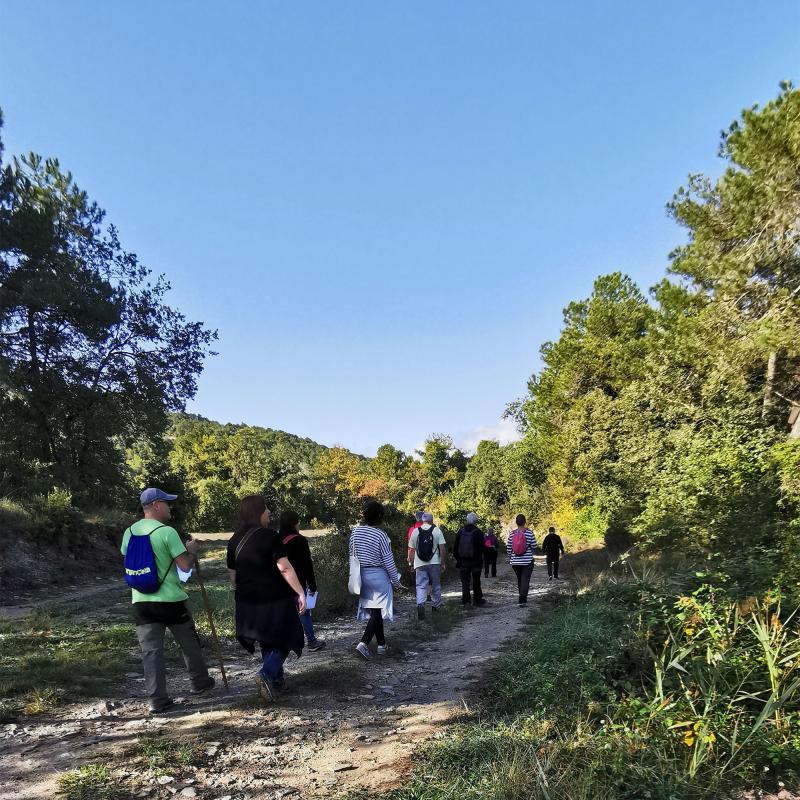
{"x": 650, "y": 683}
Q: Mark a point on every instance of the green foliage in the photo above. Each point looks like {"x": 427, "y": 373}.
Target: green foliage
{"x": 44, "y": 657}
{"x": 159, "y": 751}
{"x": 636, "y": 688}
{"x": 91, "y": 357}
{"x": 90, "y": 782}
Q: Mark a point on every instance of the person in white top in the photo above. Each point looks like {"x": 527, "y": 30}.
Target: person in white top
{"x": 426, "y": 553}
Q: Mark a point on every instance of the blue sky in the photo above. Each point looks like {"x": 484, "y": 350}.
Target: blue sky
{"x": 384, "y": 207}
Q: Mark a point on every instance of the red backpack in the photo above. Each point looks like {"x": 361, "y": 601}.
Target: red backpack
{"x": 519, "y": 542}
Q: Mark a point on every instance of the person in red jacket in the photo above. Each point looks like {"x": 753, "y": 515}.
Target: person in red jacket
{"x": 417, "y": 524}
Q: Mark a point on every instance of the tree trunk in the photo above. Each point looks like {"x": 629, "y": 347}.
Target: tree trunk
{"x": 769, "y": 385}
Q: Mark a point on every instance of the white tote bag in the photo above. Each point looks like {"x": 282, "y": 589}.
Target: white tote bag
{"x": 354, "y": 583}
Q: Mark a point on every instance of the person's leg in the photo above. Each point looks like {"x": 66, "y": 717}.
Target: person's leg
{"x": 380, "y": 639}
{"x": 421, "y": 578}
{"x": 466, "y": 599}
{"x": 525, "y": 582}
{"x": 476, "y": 586}
{"x": 308, "y": 626}
{"x": 435, "y": 574}
{"x": 486, "y": 559}
{"x": 374, "y": 627}
{"x": 272, "y": 665}
{"x": 493, "y": 559}
{"x": 185, "y": 634}
{"x": 518, "y": 572}
{"x": 555, "y": 565}
{"x": 549, "y": 561}
{"x": 151, "y": 640}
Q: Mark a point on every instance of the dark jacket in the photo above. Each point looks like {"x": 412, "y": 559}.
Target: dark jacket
{"x": 299, "y": 555}
{"x": 552, "y": 545}
{"x": 476, "y": 562}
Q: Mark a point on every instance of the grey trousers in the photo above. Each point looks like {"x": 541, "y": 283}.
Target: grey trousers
{"x": 151, "y": 640}
{"x": 429, "y": 573}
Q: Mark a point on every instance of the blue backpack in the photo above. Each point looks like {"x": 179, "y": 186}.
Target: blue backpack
{"x": 141, "y": 572}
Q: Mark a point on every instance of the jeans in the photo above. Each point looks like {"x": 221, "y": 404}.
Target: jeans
{"x": 151, "y": 640}
{"x": 308, "y": 626}
{"x": 524, "y": 572}
{"x": 429, "y": 573}
{"x": 473, "y": 576}
{"x": 489, "y": 560}
{"x": 552, "y": 565}
{"x": 272, "y": 665}
{"x": 374, "y": 627}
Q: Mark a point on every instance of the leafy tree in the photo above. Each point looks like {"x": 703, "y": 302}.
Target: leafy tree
{"x": 90, "y": 355}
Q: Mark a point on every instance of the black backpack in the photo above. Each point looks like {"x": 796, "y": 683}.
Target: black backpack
{"x": 466, "y": 544}
{"x": 425, "y": 544}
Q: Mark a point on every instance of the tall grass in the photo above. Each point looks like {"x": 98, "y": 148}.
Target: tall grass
{"x": 641, "y": 686}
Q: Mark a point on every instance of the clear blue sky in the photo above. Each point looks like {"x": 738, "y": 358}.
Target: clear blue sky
{"x": 361, "y": 196}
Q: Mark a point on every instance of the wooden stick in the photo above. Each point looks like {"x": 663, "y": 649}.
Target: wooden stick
{"x": 211, "y": 625}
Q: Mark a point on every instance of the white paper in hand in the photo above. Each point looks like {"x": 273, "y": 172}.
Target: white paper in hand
{"x": 311, "y": 600}
{"x": 183, "y": 576}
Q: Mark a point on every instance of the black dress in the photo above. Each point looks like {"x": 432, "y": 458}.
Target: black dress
{"x": 266, "y": 606}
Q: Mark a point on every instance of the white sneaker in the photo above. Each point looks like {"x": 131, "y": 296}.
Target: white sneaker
{"x": 382, "y": 648}
{"x": 363, "y": 650}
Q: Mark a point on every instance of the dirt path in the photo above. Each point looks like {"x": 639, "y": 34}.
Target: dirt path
{"x": 343, "y": 723}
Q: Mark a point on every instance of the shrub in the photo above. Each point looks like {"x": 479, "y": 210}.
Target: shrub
{"x": 92, "y": 782}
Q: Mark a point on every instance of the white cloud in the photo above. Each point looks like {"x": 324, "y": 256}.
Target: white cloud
{"x": 505, "y": 431}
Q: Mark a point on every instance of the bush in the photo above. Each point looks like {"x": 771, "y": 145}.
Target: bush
{"x": 644, "y": 688}
{"x": 217, "y": 503}
{"x": 92, "y": 782}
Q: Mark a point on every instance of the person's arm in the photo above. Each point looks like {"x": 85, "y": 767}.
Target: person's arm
{"x": 442, "y": 555}
{"x": 290, "y": 576}
{"x": 560, "y": 544}
{"x": 509, "y": 551}
{"x": 388, "y": 561}
{"x": 186, "y": 559}
{"x": 232, "y": 577}
{"x": 412, "y": 547}
{"x": 312, "y": 578}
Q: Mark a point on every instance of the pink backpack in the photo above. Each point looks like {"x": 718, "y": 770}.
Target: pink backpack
{"x": 519, "y": 543}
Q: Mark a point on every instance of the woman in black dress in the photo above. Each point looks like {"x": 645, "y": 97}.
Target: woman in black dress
{"x": 269, "y": 597}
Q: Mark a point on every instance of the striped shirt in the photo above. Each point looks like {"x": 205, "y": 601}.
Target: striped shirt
{"x": 372, "y": 548}
{"x": 525, "y": 559}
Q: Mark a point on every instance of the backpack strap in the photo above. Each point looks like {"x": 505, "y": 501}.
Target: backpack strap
{"x": 244, "y": 541}
{"x": 290, "y": 537}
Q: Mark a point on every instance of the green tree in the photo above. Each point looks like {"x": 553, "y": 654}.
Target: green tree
{"x": 91, "y": 357}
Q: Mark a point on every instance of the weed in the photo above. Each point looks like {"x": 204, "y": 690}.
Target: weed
{"x": 40, "y": 701}
{"x": 160, "y": 751}
{"x": 9, "y": 710}
{"x": 91, "y": 782}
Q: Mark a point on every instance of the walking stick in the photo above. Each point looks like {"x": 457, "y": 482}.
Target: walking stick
{"x": 211, "y": 624}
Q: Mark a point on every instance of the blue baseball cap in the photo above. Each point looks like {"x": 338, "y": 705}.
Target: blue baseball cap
{"x": 151, "y": 495}
{"x": 427, "y": 517}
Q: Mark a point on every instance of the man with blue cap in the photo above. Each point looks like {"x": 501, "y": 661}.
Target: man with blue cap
{"x": 161, "y": 603}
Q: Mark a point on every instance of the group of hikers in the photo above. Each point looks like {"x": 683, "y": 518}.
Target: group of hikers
{"x": 275, "y": 589}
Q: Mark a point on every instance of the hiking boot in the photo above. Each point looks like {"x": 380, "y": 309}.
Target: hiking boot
{"x": 203, "y": 686}
{"x": 421, "y": 611}
{"x": 161, "y": 705}
{"x": 363, "y": 651}
{"x": 319, "y": 644}
{"x": 266, "y": 688}
{"x": 481, "y": 602}
{"x": 382, "y": 648}
{"x": 436, "y": 609}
